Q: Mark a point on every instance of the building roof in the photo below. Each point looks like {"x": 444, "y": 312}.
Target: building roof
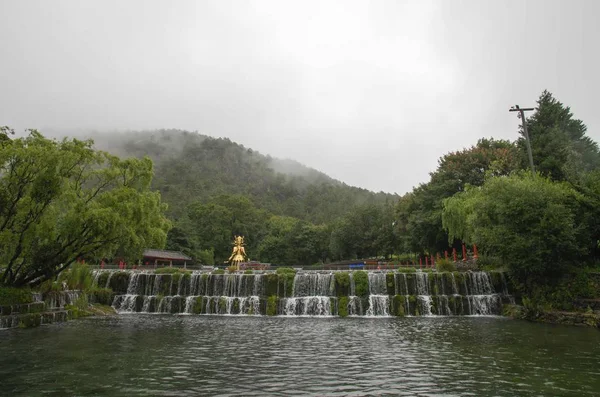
{"x": 164, "y": 254}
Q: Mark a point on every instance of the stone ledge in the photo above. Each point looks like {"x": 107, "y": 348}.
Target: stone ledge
{"x": 23, "y": 308}
{"x": 28, "y": 320}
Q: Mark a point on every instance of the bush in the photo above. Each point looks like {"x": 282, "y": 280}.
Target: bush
{"x": 15, "y": 296}
{"x": 272, "y": 305}
{"x": 248, "y": 271}
{"x": 343, "y": 306}
{"x": 78, "y": 277}
{"x": 342, "y": 284}
{"x": 103, "y": 296}
{"x": 445, "y": 265}
{"x": 218, "y": 271}
{"x": 119, "y": 281}
{"x": 488, "y": 262}
{"x": 361, "y": 283}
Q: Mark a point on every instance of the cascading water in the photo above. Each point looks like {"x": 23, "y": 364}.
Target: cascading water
{"x": 379, "y": 301}
{"x": 312, "y": 295}
{"x": 417, "y": 293}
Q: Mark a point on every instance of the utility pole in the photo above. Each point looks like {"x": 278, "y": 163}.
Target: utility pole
{"x": 516, "y": 108}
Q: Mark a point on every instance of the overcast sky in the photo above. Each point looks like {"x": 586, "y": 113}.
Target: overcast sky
{"x": 369, "y": 92}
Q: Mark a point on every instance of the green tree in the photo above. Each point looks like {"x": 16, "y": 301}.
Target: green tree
{"x": 560, "y": 147}
{"x": 419, "y": 213}
{"x": 531, "y": 223}
{"x": 63, "y": 200}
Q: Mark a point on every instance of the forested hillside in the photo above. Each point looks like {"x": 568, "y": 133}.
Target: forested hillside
{"x": 216, "y": 188}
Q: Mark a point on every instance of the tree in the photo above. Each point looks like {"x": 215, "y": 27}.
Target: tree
{"x": 531, "y": 223}
{"x": 60, "y": 201}
{"x": 561, "y": 149}
{"x": 419, "y": 213}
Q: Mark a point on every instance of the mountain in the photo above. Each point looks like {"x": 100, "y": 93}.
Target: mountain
{"x": 191, "y": 167}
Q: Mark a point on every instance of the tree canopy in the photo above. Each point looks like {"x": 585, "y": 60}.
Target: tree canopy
{"x": 62, "y": 200}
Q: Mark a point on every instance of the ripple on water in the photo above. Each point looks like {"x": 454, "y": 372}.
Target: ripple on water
{"x": 226, "y": 356}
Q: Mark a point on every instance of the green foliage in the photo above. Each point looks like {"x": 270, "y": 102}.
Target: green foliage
{"x": 15, "y": 296}
{"x": 30, "y": 320}
{"x": 119, "y": 282}
{"x": 78, "y": 277}
{"x": 561, "y": 149}
{"x": 530, "y": 223}
{"x": 368, "y": 231}
{"x": 270, "y": 281}
{"x": 285, "y": 270}
{"x": 343, "y": 306}
{"x": 272, "y": 302}
{"x": 172, "y": 270}
{"x": 103, "y": 296}
{"x": 488, "y": 262}
{"x": 419, "y": 213}
{"x": 361, "y": 283}
{"x": 61, "y": 200}
{"x": 398, "y": 305}
{"x": 206, "y": 257}
{"x": 342, "y": 284}
{"x": 218, "y": 271}
{"x": 445, "y": 265}
{"x": 248, "y": 271}
{"x": 390, "y": 283}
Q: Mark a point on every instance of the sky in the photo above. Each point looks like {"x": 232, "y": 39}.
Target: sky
{"x": 370, "y": 92}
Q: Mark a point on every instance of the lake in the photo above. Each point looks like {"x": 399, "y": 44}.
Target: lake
{"x": 169, "y": 355}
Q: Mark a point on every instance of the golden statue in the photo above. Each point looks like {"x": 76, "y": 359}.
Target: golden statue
{"x": 239, "y": 253}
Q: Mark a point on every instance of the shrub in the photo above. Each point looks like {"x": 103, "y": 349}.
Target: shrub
{"x": 103, "y": 296}
{"x": 343, "y": 306}
{"x": 218, "y": 271}
{"x": 445, "y": 265}
{"x": 270, "y": 284}
{"x": 487, "y": 262}
{"x": 390, "y": 283}
{"x": 407, "y": 270}
{"x": 248, "y": 271}
{"x": 119, "y": 282}
{"x": 361, "y": 283}
{"x": 78, "y": 277}
{"x": 272, "y": 305}
{"x": 15, "y": 296}
{"x": 342, "y": 284}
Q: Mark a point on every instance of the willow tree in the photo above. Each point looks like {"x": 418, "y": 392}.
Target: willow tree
{"x": 61, "y": 200}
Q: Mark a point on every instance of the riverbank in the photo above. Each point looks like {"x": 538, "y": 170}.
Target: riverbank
{"x": 24, "y": 309}
{"x": 586, "y": 319}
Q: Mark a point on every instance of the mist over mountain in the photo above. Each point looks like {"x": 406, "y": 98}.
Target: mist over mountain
{"x": 191, "y": 167}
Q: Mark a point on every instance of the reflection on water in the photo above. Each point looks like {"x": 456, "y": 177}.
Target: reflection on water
{"x": 143, "y": 355}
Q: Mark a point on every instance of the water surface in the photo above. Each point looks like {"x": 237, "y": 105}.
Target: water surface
{"x": 162, "y": 355}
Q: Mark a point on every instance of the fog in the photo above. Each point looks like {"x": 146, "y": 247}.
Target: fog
{"x": 370, "y": 93}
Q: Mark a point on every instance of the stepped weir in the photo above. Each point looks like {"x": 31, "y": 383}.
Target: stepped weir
{"x": 334, "y": 293}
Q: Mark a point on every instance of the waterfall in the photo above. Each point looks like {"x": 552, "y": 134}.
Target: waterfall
{"x": 422, "y": 293}
{"x": 422, "y": 283}
{"x": 378, "y": 305}
{"x": 379, "y": 301}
